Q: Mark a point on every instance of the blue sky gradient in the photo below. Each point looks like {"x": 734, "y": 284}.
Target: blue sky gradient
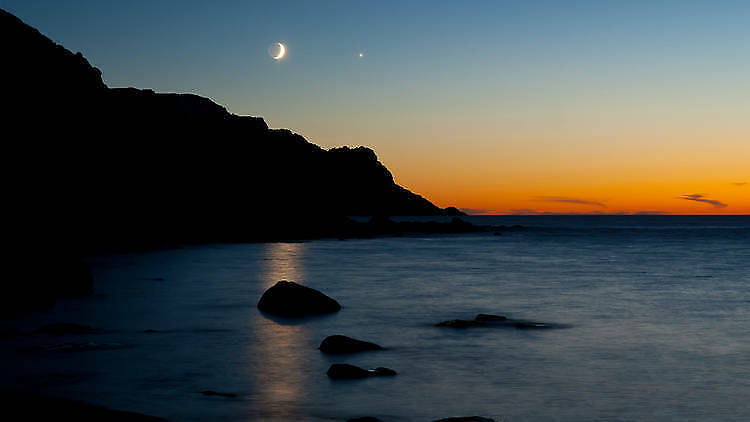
{"x": 494, "y": 76}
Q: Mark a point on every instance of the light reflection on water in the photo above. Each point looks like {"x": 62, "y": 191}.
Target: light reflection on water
{"x": 283, "y": 261}
{"x": 278, "y": 370}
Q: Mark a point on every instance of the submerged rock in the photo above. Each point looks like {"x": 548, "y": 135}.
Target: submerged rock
{"x": 459, "y": 323}
{"x": 338, "y": 344}
{"x": 290, "y": 299}
{"x": 346, "y": 371}
{"x": 466, "y": 419}
{"x": 479, "y": 320}
{"x": 215, "y": 393}
{"x": 486, "y": 320}
{"x": 488, "y": 317}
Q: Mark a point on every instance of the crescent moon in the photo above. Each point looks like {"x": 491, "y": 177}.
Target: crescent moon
{"x": 282, "y": 51}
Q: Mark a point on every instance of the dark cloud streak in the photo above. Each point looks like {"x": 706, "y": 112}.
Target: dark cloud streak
{"x": 566, "y": 200}
{"x": 698, "y": 197}
{"x": 479, "y": 211}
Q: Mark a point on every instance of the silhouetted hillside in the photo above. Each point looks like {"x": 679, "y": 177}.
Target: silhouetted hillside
{"x": 100, "y": 166}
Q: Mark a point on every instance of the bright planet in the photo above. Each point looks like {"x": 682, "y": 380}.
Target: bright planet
{"x": 277, "y": 51}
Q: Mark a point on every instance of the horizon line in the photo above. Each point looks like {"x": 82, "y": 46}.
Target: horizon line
{"x": 542, "y": 214}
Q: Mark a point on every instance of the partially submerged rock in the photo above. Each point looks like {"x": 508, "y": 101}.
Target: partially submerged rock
{"x": 486, "y": 320}
{"x": 489, "y": 317}
{"x": 289, "y": 299}
{"x": 338, "y": 344}
{"x": 215, "y": 393}
{"x": 346, "y": 371}
{"x": 459, "y": 323}
{"x": 466, "y": 419}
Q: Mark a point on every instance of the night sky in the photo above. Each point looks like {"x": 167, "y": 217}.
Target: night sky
{"x": 495, "y": 107}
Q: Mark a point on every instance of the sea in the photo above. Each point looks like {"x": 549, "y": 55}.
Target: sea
{"x": 651, "y": 314}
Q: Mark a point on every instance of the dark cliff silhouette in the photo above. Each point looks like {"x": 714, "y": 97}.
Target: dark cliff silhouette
{"x": 103, "y": 167}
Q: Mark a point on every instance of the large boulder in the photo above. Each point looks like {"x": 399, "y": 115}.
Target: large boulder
{"x": 338, "y": 344}
{"x": 346, "y": 371}
{"x": 289, "y": 299}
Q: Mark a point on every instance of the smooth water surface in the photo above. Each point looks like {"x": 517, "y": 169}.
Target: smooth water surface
{"x": 657, "y": 309}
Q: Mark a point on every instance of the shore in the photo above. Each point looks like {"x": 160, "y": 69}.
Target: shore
{"x": 30, "y": 407}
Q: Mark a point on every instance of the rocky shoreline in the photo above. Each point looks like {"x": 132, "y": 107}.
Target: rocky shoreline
{"x": 32, "y": 407}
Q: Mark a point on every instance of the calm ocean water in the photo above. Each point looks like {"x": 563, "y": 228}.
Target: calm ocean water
{"x": 658, "y": 310}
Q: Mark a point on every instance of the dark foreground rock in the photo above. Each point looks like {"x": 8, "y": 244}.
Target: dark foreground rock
{"x": 346, "y": 371}
{"x": 289, "y": 299}
{"x": 338, "y": 344}
{"x": 87, "y": 193}
{"x": 65, "y": 328}
{"x": 486, "y": 320}
{"x": 28, "y": 407}
{"x": 466, "y": 419}
{"x": 364, "y": 419}
{"x": 34, "y": 280}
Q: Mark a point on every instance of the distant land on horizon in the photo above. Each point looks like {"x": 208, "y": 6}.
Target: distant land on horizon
{"x": 96, "y": 165}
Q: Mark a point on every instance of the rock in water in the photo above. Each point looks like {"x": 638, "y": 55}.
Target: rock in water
{"x": 215, "y": 393}
{"x": 486, "y": 320}
{"x": 290, "y": 299}
{"x": 479, "y": 320}
{"x": 466, "y": 419}
{"x": 342, "y": 344}
{"x": 346, "y": 371}
{"x": 459, "y": 323}
{"x": 381, "y": 371}
{"x": 487, "y": 317}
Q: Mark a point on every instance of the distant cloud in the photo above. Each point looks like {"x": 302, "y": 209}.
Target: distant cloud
{"x": 739, "y": 183}
{"x": 526, "y": 211}
{"x": 567, "y": 200}
{"x": 702, "y": 198}
{"x": 479, "y": 211}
